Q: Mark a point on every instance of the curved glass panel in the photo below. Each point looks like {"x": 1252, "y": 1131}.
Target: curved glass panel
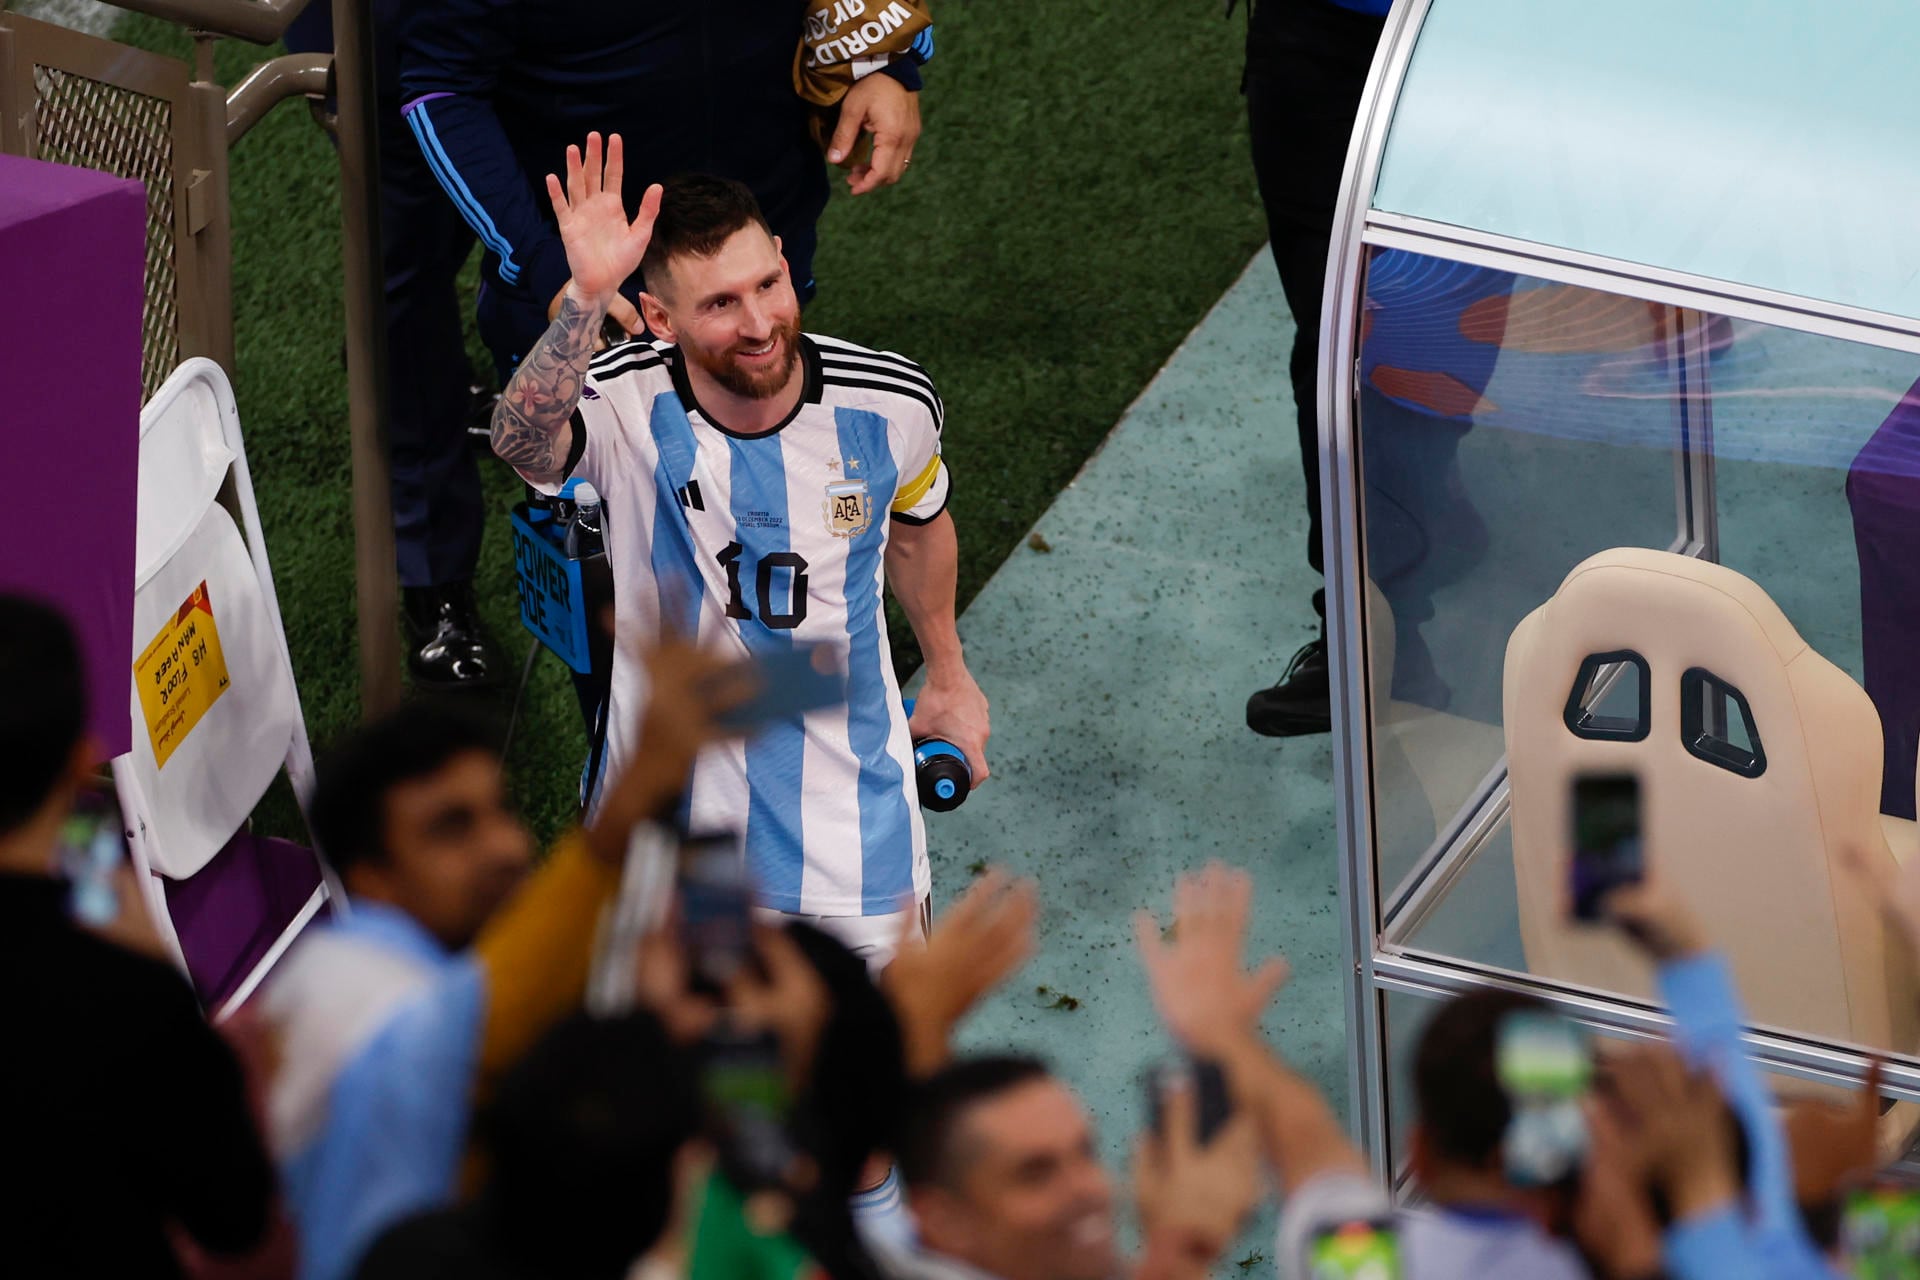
{"x": 1767, "y": 142}
{"x": 1510, "y": 429}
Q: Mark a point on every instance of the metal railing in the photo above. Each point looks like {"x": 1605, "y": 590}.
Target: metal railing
{"x": 78, "y": 99}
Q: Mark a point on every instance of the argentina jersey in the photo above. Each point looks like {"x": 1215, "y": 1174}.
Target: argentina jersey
{"x": 763, "y": 542}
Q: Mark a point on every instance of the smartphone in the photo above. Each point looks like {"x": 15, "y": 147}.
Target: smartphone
{"x": 93, "y": 848}
{"x": 1880, "y": 1233}
{"x": 1213, "y": 1104}
{"x": 1364, "y": 1249}
{"x": 792, "y": 682}
{"x": 749, "y": 1108}
{"x": 1607, "y": 849}
{"x": 1544, "y": 1066}
{"x": 716, "y": 909}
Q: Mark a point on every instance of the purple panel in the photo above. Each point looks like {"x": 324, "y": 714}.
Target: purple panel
{"x": 72, "y": 246}
{"x": 1883, "y": 487}
{"x": 230, "y": 913}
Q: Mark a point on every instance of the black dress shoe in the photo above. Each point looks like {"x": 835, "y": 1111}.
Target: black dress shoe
{"x": 1301, "y": 703}
{"x": 448, "y": 648}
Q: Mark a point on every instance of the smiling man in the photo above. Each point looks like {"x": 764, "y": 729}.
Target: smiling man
{"x": 762, "y": 488}
{"x": 1006, "y": 1184}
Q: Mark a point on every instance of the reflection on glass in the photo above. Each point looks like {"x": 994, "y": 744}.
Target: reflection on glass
{"x": 1511, "y": 428}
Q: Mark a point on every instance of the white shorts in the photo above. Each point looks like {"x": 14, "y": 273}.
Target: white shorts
{"x": 874, "y": 939}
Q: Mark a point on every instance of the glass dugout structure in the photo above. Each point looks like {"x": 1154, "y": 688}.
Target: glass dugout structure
{"x": 1609, "y": 280}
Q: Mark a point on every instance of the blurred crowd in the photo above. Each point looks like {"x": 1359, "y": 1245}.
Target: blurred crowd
{"x": 597, "y": 1060}
{"x": 575, "y": 1065}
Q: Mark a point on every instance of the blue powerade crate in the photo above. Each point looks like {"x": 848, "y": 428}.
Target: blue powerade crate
{"x": 559, "y": 596}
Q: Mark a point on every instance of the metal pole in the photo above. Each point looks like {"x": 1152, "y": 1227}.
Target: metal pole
{"x": 377, "y": 587}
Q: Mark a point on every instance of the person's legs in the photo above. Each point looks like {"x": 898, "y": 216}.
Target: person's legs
{"x": 435, "y": 485}
{"x": 1307, "y": 64}
{"x": 438, "y": 508}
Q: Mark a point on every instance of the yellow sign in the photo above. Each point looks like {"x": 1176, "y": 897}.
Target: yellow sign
{"x": 181, "y": 674}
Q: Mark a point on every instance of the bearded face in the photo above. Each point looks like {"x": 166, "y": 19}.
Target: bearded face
{"x": 753, "y": 368}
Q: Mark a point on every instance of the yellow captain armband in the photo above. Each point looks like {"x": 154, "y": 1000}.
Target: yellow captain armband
{"x": 910, "y": 494}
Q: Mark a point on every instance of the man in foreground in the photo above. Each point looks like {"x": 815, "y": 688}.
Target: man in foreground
{"x": 762, "y": 489}
{"x": 455, "y": 957}
{"x": 127, "y": 1117}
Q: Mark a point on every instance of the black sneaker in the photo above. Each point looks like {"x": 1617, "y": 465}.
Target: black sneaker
{"x": 1301, "y": 703}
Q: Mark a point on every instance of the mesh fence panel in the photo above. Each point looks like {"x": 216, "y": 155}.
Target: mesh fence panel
{"x": 100, "y": 126}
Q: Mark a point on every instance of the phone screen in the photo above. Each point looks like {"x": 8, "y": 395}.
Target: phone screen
{"x": 716, "y": 908}
{"x": 1365, "y": 1249}
{"x": 1606, "y": 839}
{"x": 93, "y": 848}
{"x": 1880, "y": 1233}
{"x": 1213, "y": 1105}
{"x": 749, "y": 1105}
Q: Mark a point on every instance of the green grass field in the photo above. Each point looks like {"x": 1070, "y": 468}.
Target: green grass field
{"x": 1081, "y": 195}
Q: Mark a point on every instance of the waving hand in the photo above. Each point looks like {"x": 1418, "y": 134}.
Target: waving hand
{"x": 603, "y": 248}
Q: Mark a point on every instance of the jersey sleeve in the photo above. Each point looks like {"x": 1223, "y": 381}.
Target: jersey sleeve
{"x": 924, "y": 482}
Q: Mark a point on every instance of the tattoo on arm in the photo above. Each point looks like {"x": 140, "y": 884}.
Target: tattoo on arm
{"x": 541, "y": 395}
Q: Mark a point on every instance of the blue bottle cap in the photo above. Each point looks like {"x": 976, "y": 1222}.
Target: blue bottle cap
{"x": 944, "y": 788}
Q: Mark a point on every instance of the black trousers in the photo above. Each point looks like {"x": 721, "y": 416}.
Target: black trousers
{"x": 437, "y": 503}
{"x": 1307, "y": 63}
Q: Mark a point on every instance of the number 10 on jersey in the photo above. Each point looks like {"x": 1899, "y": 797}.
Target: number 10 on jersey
{"x": 763, "y": 587}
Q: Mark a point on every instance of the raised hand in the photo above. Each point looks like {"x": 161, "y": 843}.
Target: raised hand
{"x": 690, "y": 691}
{"x": 603, "y": 248}
{"x": 1206, "y": 999}
{"x": 1657, "y": 919}
{"x": 976, "y": 945}
{"x": 1193, "y": 1198}
{"x": 1685, "y": 1134}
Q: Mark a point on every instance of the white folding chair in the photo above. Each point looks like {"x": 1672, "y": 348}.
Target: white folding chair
{"x": 216, "y": 716}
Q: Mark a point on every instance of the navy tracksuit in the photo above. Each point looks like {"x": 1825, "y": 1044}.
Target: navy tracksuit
{"x": 437, "y": 502}
{"x": 495, "y": 91}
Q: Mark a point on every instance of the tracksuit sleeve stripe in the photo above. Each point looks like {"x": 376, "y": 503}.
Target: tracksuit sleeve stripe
{"x": 456, "y": 187}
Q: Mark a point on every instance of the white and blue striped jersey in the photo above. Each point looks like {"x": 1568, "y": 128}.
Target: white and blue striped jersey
{"x": 766, "y": 541}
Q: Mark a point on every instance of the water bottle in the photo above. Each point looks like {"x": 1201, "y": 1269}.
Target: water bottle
{"x": 940, "y": 771}
{"x": 583, "y": 531}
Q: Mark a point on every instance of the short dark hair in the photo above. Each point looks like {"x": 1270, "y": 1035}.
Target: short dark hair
{"x": 583, "y": 1134}
{"x": 940, "y": 1103}
{"x": 46, "y": 705}
{"x": 1464, "y": 1111}
{"x": 698, "y": 214}
{"x": 349, "y": 806}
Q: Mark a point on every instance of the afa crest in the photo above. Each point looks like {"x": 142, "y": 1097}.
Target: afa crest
{"x": 848, "y": 508}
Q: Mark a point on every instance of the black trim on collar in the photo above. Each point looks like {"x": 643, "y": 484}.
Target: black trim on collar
{"x": 810, "y": 391}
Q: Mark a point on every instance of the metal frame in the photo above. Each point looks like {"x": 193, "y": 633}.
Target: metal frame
{"x": 205, "y": 122}
{"x": 1377, "y": 931}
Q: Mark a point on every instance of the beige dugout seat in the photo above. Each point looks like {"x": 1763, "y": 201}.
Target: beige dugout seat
{"x": 1760, "y": 772}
